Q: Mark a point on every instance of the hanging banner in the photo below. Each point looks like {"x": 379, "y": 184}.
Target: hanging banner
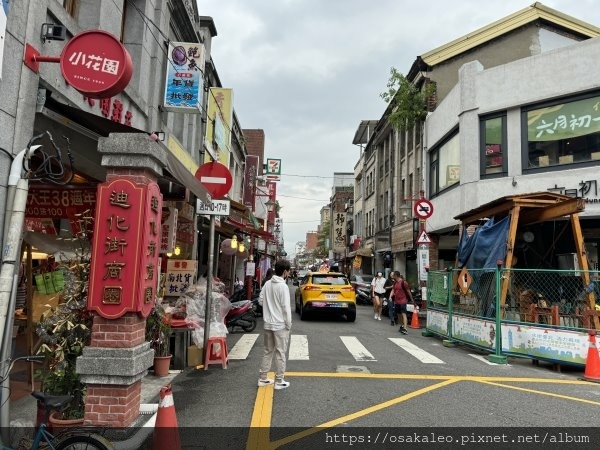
{"x": 219, "y": 124}
{"x": 338, "y": 224}
{"x": 250, "y": 173}
{"x": 168, "y": 229}
{"x": 184, "y": 85}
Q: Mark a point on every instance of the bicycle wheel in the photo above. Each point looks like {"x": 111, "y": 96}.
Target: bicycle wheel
{"x": 88, "y": 442}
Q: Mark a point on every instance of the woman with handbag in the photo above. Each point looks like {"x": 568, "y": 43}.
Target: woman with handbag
{"x": 401, "y": 296}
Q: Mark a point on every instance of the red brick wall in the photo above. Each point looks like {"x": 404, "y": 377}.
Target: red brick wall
{"x": 311, "y": 240}
{"x": 255, "y": 144}
{"x": 112, "y": 405}
{"x": 125, "y": 332}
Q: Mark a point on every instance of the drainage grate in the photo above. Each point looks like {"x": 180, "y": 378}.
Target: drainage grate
{"x": 352, "y": 369}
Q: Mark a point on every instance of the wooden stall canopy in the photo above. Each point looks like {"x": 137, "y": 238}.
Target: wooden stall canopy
{"x": 528, "y": 209}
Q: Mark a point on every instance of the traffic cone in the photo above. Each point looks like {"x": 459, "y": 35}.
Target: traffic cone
{"x": 414, "y": 323}
{"x": 166, "y": 432}
{"x": 592, "y": 363}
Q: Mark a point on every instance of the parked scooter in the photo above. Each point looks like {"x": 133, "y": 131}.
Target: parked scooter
{"x": 257, "y": 307}
{"x": 363, "y": 296}
{"x": 240, "y": 295}
{"x": 241, "y": 315}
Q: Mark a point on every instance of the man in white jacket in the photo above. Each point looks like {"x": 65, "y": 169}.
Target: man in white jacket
{"x": 277, "y": 316}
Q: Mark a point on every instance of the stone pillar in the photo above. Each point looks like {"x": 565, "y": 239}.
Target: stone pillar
{"x": 118, "y": 358}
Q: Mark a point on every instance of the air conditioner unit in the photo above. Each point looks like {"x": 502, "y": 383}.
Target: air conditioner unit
{"x": 568, "y": 261}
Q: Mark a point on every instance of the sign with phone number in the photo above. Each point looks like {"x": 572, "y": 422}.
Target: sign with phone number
{"x": 214, "y": 208}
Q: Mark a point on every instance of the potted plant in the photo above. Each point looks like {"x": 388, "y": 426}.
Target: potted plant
{"x": 158, "y": 331}
{"x": 65, "y": 330}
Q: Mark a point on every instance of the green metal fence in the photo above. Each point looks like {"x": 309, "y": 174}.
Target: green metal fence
{"x": 540, "y": 314}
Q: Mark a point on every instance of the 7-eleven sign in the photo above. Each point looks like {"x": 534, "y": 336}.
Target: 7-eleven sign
{"x": 273, "y": 169}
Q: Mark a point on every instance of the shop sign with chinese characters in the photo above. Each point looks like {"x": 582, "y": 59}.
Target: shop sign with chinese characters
{"x": 125, "y": 249}
{"x": 181, "y": 273}
{"x": 183, "y": 80}
{"x": 96, "y": 64}
{"x": 60, "y": 203}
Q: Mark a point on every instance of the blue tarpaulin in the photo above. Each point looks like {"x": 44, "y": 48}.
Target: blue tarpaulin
{"x": 480, "y": 253}
{"x": 485, "y": 246}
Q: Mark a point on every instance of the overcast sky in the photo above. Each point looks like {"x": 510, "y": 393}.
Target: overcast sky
{"x": 308, "y": 71}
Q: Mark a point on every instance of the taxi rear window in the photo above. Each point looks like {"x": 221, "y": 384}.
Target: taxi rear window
{"x": 329, "y": 279}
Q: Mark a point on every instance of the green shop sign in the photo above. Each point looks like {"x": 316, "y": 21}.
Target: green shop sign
{"x": 564, "y": 121}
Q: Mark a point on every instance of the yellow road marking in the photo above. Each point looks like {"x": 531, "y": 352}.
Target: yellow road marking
{"x": 550, "y": 394}
{"x": 259, "y": 437}
{"x": 393, "y": 376}
{"x": 358, "y": 414}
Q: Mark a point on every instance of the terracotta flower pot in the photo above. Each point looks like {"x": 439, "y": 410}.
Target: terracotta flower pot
{"x": 58, "y": 425}
{"x": 161, "y": 365}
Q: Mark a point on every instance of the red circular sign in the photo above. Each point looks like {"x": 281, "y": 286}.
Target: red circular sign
{"x": 423, "y": 208}
{"x": 96, "y": 64}
{"x": 216, "y": 178}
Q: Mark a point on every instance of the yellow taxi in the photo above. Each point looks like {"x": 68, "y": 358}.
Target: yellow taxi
{"x": 320, "y": 292}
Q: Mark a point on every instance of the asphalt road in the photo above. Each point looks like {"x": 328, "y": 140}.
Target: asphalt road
{"x": 366, "y": 380}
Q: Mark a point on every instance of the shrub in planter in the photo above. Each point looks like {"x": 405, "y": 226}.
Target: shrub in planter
{"x": 64, "y": 331}
{"x": 158, "y": 330}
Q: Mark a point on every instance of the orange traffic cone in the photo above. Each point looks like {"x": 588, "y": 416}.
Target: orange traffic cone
{"x": 166, "y": 432}
{"x": 414, "y": 323}
{"x": 592, "y": 363}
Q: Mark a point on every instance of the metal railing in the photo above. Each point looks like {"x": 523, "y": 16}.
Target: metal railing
{"x": 496, "y": 309}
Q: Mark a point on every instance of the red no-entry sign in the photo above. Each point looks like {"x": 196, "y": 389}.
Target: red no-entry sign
{"x": 216, "y": 178}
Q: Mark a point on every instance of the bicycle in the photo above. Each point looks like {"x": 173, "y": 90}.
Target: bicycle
{"x": 78, "y": 439}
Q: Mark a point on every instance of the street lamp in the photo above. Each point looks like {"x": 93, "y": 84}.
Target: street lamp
{"x": 405, "y": 211}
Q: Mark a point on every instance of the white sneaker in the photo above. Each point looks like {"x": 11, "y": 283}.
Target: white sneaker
{"x": 282, "y": 384}
{"x": 375, "y": 317}
{"x": 378, "y": 317}
{"x": 265, "y": 382}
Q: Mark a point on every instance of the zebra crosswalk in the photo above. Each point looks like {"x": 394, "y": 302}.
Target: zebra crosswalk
{"x": 299, "y": 349}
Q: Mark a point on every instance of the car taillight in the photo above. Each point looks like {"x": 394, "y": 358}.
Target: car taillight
{"x": 347, "y": 288}
{"x": 311, "y": 288}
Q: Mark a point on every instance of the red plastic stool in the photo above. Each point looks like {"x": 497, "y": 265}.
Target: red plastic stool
{"x": 216, "y": 352}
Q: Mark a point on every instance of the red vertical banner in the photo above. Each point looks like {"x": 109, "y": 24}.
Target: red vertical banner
{"x": 272, "y": 187}
{"x": 150, "y": 249}
{"x": 250, "y": 173}
{"x": 124, "y": 273}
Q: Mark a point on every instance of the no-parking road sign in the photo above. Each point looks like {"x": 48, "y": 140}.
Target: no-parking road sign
{"x": 423, "y": 208}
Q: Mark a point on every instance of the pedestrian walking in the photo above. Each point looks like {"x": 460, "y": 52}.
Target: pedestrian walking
{"x": 378, "y": 292}
{"x": 389, "y": 284}
{"x": 277, "y": 316}
{"x": 401, "y": 296}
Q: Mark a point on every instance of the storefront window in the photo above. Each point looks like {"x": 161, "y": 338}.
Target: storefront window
{"x": 563, "y": 133}
{"x": 444, "y": 168}
{"x": 493, "y": 146}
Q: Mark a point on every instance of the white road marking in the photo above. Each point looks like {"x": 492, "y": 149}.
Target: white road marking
{"x": 417, "y": 352}
{"x": 358, "y": 351}
{"x": 298, "y": 347}
{"x": 242, "y": 348}
{"x": 485, "y": 360}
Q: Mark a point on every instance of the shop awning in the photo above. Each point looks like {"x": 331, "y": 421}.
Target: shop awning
{"x": 182, "y": 173}
{"x": 249, "y": 229}
{"x": 94, "y": 126}
{"x": 362, "y": 251}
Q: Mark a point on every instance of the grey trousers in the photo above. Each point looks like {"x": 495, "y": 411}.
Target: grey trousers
{"x": 276, "y": 342}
